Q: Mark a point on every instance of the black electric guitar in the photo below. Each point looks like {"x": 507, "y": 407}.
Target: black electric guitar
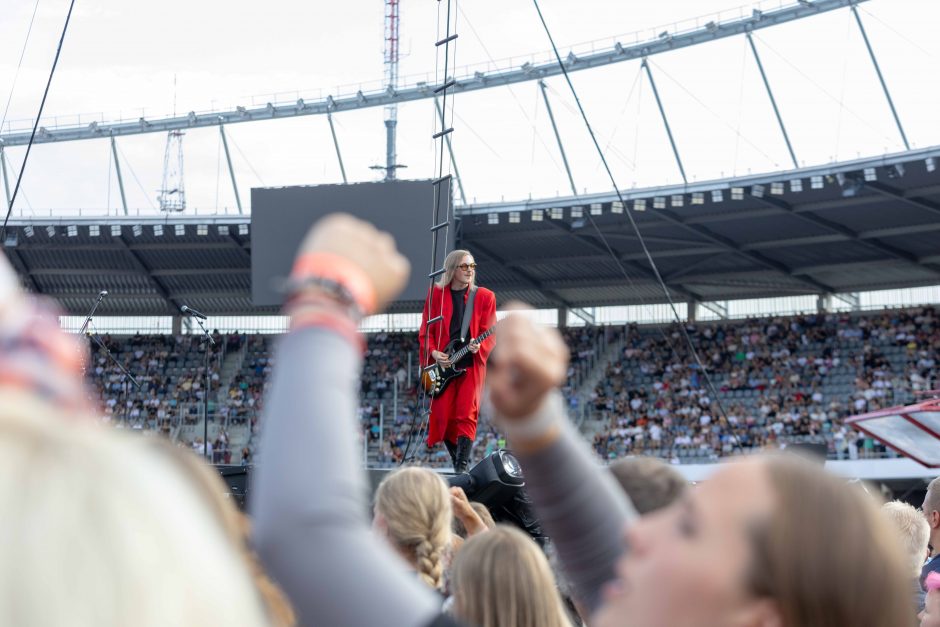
{"x": 435, "y": 378}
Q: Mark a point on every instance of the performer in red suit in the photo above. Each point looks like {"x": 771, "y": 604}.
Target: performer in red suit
{"x": 454, "y": 411}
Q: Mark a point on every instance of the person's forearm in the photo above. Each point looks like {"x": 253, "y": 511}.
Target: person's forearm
{"x": 310, "y": 495}
{"x": 578, "y": 503}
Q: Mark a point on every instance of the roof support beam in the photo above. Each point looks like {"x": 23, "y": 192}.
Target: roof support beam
{"x": 154, "y": 282}
{"x": 881, "y": 78}
{"x": 478, "y": 80}
{"x": 662, "y": 113}
{"x": 561, "y": 144}
{"x": 19, "y": 264}
{"x": 527, "y": 279}
{"x": 773, "y": 101}
{"x": 622, "y": 260}
{"x": 848, "y": 233}
{"x": 756, "y": 257}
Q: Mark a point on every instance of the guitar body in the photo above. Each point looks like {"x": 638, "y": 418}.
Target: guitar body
{"x": 435, "y": 378}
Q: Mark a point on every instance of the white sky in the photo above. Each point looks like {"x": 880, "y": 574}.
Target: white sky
{"x": 120, "y": 59}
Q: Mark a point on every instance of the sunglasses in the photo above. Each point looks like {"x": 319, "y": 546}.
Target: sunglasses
{"x": 467, "y": 266}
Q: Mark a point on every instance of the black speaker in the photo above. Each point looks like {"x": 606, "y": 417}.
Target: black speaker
{"x": 238, "y": 480}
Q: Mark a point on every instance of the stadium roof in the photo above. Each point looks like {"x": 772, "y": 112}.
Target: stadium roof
{"x": 854, "y": 226}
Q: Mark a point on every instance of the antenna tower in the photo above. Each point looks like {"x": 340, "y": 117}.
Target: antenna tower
{"x": 172, "y": 195}
{"x": 391, "y": 82}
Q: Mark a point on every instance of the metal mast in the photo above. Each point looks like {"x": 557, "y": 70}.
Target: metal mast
{"x": 391, "y": 82}
{"x": 172, "y": 195}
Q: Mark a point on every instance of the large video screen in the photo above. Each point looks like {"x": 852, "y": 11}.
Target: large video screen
{"x": 280, "y": 217}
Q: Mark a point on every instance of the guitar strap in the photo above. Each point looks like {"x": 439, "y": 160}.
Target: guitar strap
{"x": 467, "y": 314}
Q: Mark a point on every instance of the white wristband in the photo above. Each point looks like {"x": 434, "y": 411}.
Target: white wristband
{"x": 537, "y": 424}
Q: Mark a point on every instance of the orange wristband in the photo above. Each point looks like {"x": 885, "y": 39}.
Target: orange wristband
{"x": 337, "y": 269}
{"x": 328, "y": 320}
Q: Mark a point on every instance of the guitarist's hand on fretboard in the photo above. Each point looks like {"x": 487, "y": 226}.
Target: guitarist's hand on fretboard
{"x": 473, "y": 347}
{"x": 441, "y": 358}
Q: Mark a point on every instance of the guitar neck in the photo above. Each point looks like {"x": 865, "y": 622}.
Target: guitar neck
{"x": 463, "y": 351}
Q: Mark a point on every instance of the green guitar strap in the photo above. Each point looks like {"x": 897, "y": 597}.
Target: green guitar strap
{"x": 467, "y": 314}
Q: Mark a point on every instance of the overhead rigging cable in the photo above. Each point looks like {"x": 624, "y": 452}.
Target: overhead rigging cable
{"x": 19, "y": 64}
{"x": 32, "y": 136}
{"x": 629, "y": 213}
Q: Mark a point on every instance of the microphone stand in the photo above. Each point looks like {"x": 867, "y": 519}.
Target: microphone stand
{"x": 127, "y": 375}
{"x": 91, "y": 313}
{"x": 205, "y": 394}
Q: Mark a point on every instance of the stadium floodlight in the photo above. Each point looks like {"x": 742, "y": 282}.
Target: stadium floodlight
{"x": 597, "y": 209}
{"x": 871, "y": 174}
{"x": 243, "y": 229}
{"x": 616, "y": 206}
{"x": 137, "y": 230}
{"x": 515, "y": 217}
{"x": 717, "y": 195}
{"x": 158, "y": 230}
{"x": 931, "y": 164}
{"x": 72, "y": 230}
{"x": 698, "y": 198}
{"x": 202, "y": 229}
{"x": 537, "y": 215}
{"x": 94, "y": 231}
{"x": 796, "y": 185}
{"x": 179, "y": 230}
{"x": 757, "y": 191}
{"x": 776, "y": 188}
{"x": 556, "y": 213}
{"x": 223, "y": 230}
{"x": 816, "y": 182}
{"x": 737, "y": 193}
{"x": 639, "y": 204}
{"x": 913, "y": 430}
{"x": 29, "y": 231}
{"x": 677, "y": 200}
{"x": 12, "y": 239}
{"x": 115, "y": 230}
{"x": 896, "y": 171}
{"x": 50, "y": 231}
{"x": 577, "y": 211}
{"x": 492, "y": 219}
{"x": 659, "y": 202}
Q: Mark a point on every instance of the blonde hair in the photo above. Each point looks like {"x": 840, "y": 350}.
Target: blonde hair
{"x": 416, "y": 507}
{"x": 825, "y": 556}
{"x": 912, "y": 530}
{"x": 236, "y": 525}
{"x": 451, "y": 261}
{"x": 502, "y": 579}
{"x": 102, "y": 531}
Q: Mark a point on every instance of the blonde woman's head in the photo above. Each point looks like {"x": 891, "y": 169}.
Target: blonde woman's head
{"x": 502, "y": 579}
{"x": 101, "y": 530}
{"x": 412, "y": 509}
{"x": 453, "y": 268}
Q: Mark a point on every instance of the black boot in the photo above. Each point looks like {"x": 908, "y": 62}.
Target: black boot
{"x": 462, "y": 462}
{"x": 452, "y": 450}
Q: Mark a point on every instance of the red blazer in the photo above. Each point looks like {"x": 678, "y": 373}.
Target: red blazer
{"x": 438, "y": 336}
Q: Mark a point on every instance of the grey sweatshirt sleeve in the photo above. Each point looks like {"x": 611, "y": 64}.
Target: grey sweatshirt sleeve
{"x": 579, "y": 505}
{"x": 310, "y": 496}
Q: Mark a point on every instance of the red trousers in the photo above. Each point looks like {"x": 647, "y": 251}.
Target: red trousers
{"x": 454, "y": 412}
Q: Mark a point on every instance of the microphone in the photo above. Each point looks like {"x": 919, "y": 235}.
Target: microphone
{"x": 192, "y": 312}
{"x": 102, "y": 293}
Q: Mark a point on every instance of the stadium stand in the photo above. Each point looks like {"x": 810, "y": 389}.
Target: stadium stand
{"x": 633, "y": 390}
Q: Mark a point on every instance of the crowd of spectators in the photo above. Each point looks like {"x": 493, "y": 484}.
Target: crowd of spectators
{"x": 770, "y": 381}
